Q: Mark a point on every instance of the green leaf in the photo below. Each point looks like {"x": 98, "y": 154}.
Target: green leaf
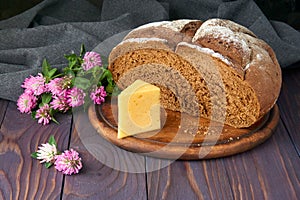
{"x": 57, "y": 75}
{"x": 41, "y": 104}
{"x": 82, "y": 51}
{"x": 94, "y": 75}
{"x": 52, "y": 72}
{"x": 96, "y": 71}
{"x": 52, "y": 112}
{"x": 46, "y": 98}
{"x": 107, "y": 75}
{"x": 109, "y": 88}
{"x": 33, "y": 114}
{"x": 52, "y": 140}
{"x": 82, "y": 83}
{"x": 48, "y": 164}
{"x": 69, "y": 72}
{"x": 54, "y": 120}
{"x": 72, "y": 58}
{"x": 34, "y": 155}
{"x": 45, "y": 68}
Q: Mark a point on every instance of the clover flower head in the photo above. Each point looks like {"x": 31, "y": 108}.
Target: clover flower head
{"x": 75, "y": 97}
{"x": 98, "y": 95}
{"x": 90, "y": 60}
{"x": 60, "y": 102}
{"x": 43, "y": 114}
{"x": 26, "y": 102}
{"x": 46, "y": 152}
{"x": 57, "y": 85}
{"x": 68, "y": 162}
{"x": 35, "y": 85}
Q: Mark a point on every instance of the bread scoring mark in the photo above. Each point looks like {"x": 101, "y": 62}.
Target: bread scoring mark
{"x": 207, "y": 51}
{"x": 247, "y": 66}
{"x": 143, "y": 40}
{"x": 235, "y": 27}
{"x": 177, "y": 25}
{"x": 222, "y": 33}
{"x": 255, "y": 61}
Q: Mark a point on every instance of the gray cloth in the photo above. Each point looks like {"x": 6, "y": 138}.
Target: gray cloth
{"x": 56, "y": 27}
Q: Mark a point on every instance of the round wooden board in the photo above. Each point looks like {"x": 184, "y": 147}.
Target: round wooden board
{"x": 174, "y": 140}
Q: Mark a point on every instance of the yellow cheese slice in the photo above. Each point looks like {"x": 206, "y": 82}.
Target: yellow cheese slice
{"x": 138, "y": 109}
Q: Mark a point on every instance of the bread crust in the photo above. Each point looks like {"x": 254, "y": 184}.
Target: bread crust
{"x": 231, "y": 45}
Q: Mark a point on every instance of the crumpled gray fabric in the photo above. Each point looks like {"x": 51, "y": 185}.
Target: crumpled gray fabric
{"x": 53, "y": 28}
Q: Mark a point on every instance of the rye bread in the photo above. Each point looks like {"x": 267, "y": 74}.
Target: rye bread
{"x": 217, "y": 69}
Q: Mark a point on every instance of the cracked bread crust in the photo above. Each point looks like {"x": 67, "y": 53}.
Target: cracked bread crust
{"x": 248, "y": 66}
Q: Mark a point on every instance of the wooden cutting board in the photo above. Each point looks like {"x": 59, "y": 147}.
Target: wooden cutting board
{"x": 181, "y": 137}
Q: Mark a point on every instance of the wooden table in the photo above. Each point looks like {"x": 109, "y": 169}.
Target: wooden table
{"x": 269, "y": 171}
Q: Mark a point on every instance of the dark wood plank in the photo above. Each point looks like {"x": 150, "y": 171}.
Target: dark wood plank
{"x": 22, "y": 177}
{"x": 269, "y": 171}
{"x": 98, "y": 180}
{"x": 289, "y": 104}
{"x": 3, "y": 106}
{"x": 206, "y": 179}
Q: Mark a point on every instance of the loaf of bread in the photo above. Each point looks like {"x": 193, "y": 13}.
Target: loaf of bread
{"x": 217, "y": 69}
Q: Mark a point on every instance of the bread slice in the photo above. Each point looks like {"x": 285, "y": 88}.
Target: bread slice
{"x": 215, "y": 69}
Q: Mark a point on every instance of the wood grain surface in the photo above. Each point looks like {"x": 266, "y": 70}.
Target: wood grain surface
{"x": 259, "y": 173}
{"x": 255, "y": 174}
{"x": 289, "y": 105}
{"x": 22, "y": 177}
{"x": 96, "y": 180}
{"x": 206, "y": 179}
{"x": 268, "y": 171}
{"x": 3, "y": 107}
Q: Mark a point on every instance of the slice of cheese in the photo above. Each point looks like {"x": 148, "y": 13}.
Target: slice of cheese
{"x": 138, "y": 109}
